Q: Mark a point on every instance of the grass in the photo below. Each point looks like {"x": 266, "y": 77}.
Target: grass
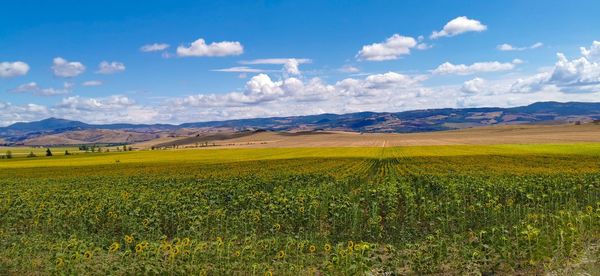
{"x": 501, "y": 209}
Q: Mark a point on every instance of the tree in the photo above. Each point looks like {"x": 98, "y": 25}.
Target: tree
{"x": 8, "y": 154}
{"x": 67, "y": 152}
{"x": 31, "y": 154}
{"x": 124, "y": 148}
{"x": 130, "y": 148}
{"x": 48, "y": 152}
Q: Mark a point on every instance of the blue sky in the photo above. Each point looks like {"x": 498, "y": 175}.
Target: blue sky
{"x": 243, "y": 59}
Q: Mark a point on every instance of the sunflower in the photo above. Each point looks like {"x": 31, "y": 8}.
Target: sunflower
{"x": 277, "y": 226}
{"x": 281, "y": 254}
{"x": 145, "y": 222}
{"x": 312, "y": 248}
{"x": 327, "y": 247}
{"x": 350, "y": 245}
{"x": 589, "y": 209}
{"x": 60, "y": 262}
{"x": 268, "y": 273}
{"x": 301, "y": 209}
{"x": 114, "y": 247}
{"x": 128, "y": 239}
{"x": 237, "y": 253}
{"x": 139, "y": 248}
{"x": 87, "y": 255}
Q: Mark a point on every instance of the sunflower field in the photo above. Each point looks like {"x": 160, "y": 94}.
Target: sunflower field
{"x": 507, "y": 209}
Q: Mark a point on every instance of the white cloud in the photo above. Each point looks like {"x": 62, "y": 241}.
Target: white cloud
{"x": 477, "y": 67}
{"x": 473, "y": 86}
{"x": 580, "y": 75}
{"x": 106, "y": 67}
{"x": 593, "y": 53}
{"x": 424, "y": 46}
{"x": 63, "y": 68}
{"x": 199, "y": 48}
{"x": 13, "y": 69}
{"x": 240, "y": 69}
{"x": 508, "y": 47}
{"x": 290, "y": 65}
{"x": 92, "y": 83}
{"x": 34, "y": 88}
{"x": 530, "y": 84}
{"x": 27, "y": 87}
{"x": 459, "y": 25}
{"x": 22, "y": 113}
{"x": 285, "y": 95}
{"x": 275, "y": 61}
{"x": 154, "y": 47}
{"x": 392, "y": 48}
{"x": 349, "y": 69}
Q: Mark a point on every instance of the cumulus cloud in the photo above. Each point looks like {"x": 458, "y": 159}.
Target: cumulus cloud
{"x": 457, "y": 26}
{"x": 579, "y": 75}
{"x": 508, "y": 47}
{"x": 593, "y": 53}
{"x": 13, "y": 69}
{"x": 22, "y": 113}
{"x": 287, "y": 95}
{"x": 199, "y": 48}
{"x": 66, "y": 69}
{"x": 530, "y": 84}
{"x": 263, "y": 95}
{"x": 154, "y": 47}
{"x": 477, "y": 67}
{"x": 106, "y": 67}
{"x": 473, "y": 86}
{"x": 392, "y": 48}
{"x": 34, "y": 88}
{"x": 92, "y": 83}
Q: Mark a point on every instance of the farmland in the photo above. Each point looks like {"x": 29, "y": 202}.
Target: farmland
{"x": 451, "y": 209}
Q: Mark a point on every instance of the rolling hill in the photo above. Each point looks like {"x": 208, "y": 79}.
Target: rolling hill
{"x": 61, "y": 131}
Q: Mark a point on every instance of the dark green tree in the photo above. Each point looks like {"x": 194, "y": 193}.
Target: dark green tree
{"x": 48, "y": 152}
{"x": 8, "y": 154}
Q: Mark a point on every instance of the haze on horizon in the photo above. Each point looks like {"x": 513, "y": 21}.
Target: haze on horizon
{"x": 159, "y": 62}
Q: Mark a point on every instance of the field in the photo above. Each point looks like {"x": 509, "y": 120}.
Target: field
{"x": 449, "y": 209}
{"x": 492, "y": 135}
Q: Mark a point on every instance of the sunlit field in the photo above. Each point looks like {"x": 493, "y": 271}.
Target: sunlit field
{"x": 501, "y": 209}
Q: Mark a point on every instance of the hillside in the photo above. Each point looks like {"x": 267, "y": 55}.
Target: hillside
{"x": 60, "y": 131}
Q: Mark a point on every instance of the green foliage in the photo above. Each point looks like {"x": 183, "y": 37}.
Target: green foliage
{"x": 388, "y": 213}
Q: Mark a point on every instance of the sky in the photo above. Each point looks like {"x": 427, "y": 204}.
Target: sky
{"x": 191, "y": 61}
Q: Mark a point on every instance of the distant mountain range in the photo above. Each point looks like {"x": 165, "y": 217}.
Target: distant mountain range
{"x": 402, "y": 122}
